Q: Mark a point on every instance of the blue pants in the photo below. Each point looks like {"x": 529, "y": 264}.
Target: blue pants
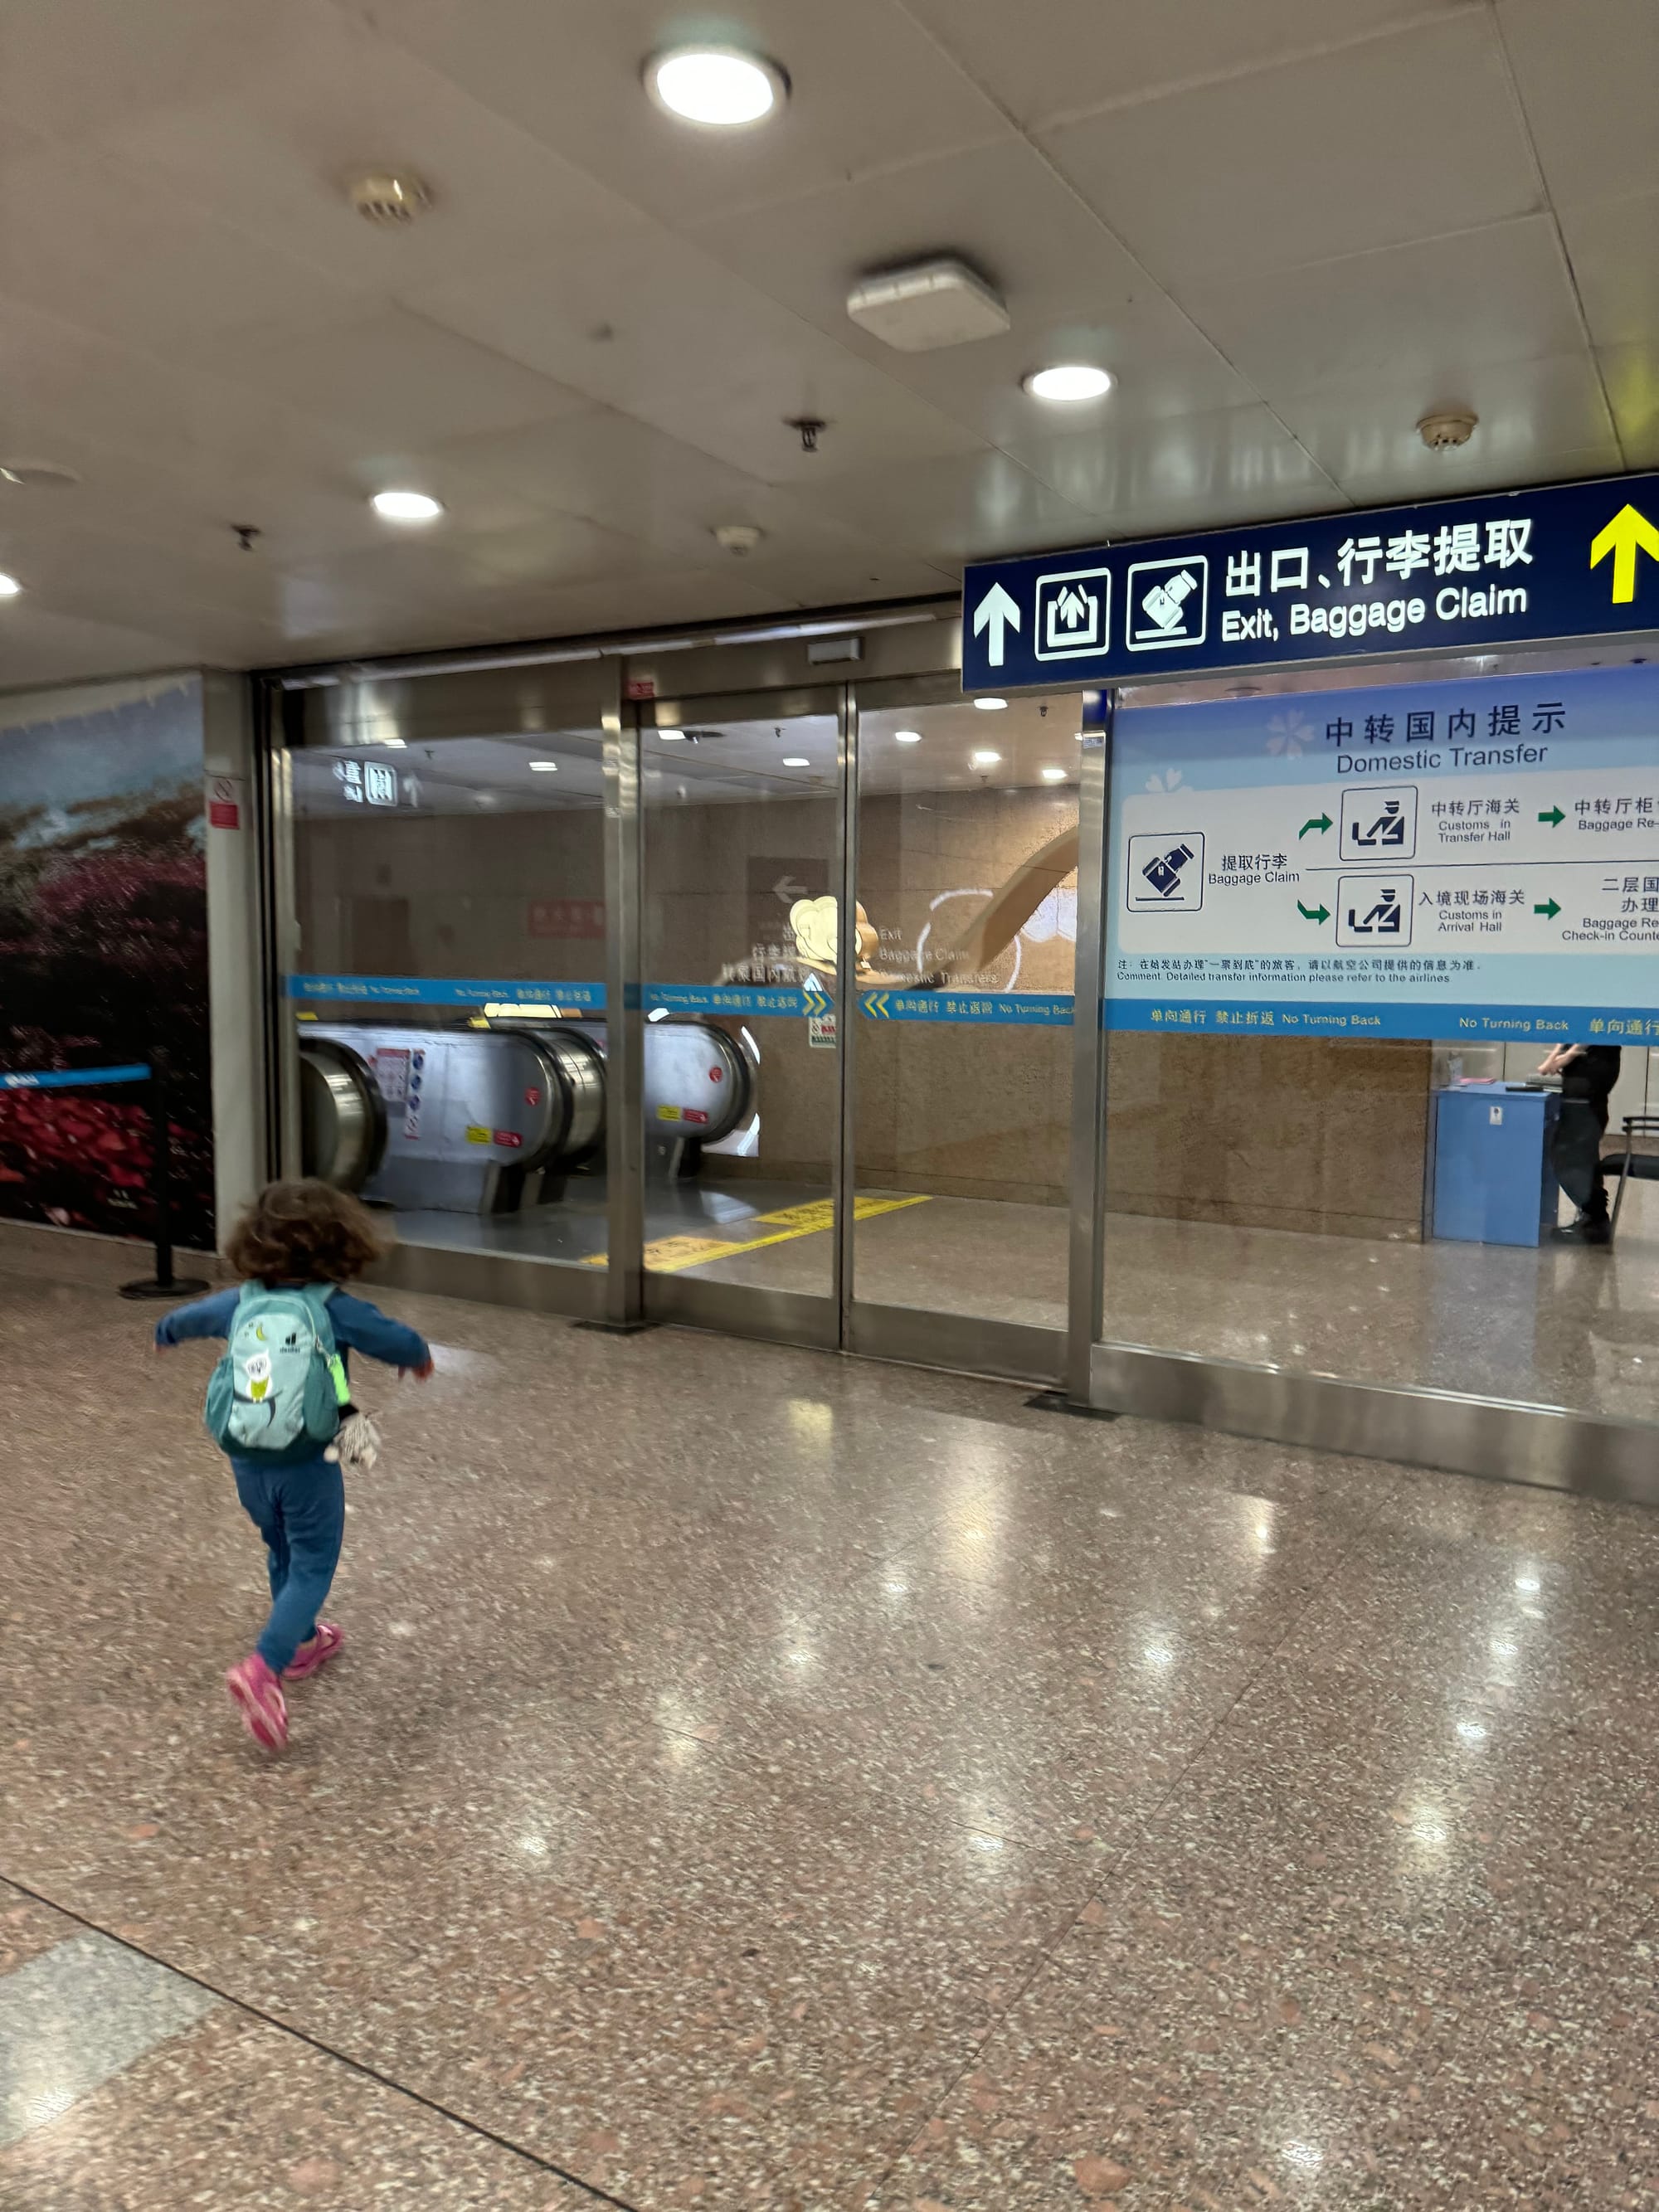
{"x": 301, "y": 1513}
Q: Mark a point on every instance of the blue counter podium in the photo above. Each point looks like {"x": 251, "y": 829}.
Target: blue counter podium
{"x": 1490, "y": 1150}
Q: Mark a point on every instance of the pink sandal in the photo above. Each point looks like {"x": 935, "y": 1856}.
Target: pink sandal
{"x": 256, "y": 1690}
{"x": 322, "y": 1647}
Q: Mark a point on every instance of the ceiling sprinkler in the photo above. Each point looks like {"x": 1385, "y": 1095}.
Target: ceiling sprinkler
{"x": 812, "y": 428}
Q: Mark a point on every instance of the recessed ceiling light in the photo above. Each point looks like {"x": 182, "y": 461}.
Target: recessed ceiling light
{"x": 671, "y": 736}
{"x": 990, "y": 706}
{"x": 545, "y": 768}
{"x": 718, "y": 85}
{"x": 797, "y": 760}
{"x": 984, "y": 759}
{"x": 9, "y": 587}
{"x": 907, "y": 737}
{"x": 406, "y": 505}
{"x": 1068, "y": 381}
{"x": 1054, "y": 775}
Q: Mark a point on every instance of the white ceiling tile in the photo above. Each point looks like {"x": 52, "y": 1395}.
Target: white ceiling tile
{"x": 73, "y": 65}
{"x": 1633, "y": 380}
{"x": 404, "y": 377}
{"x": 1614, "y": 247}
{"x": 1529, "y": 411}
{"x": 1178, "y": 475}
{"x": 1423, "y": 314}
{"x": 1587, "y": 73}
{"x": 118, "y": 253}
{"x": 1389, "y": 489}
{"x": 957, "y": 508}
{"x": 1052, "y": 57}
{"x": 673, "y": 498}
{"x": 871, "y": 90}
{"x": 1073, "y": 291}
{"x": 271, "y": 152}
{"x": 1402, "y": 138}
{"x": 690, "y": 348}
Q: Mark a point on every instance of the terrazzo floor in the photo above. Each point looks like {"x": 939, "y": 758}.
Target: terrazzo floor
{"x": 758, "y": 1779}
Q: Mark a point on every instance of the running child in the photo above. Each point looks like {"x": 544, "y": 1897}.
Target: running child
{"x": 275, "y": 1406}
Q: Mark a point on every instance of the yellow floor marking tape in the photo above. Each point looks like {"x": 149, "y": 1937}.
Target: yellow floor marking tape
{"x": 668, "y": 1256}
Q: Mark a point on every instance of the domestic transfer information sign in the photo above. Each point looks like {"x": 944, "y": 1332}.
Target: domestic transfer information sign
{"x": 1563, "y": 560}
{"x": 1473, "y": 861}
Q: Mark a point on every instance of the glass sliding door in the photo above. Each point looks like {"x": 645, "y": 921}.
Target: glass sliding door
{"x": 447, "y": 983}
{"x": 740, "y": 864}
{"x": 967, "y": 823}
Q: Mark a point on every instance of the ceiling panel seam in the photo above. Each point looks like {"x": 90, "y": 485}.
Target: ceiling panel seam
{"x": 1315, "y": 50}
{"x": 1512, "y": 85}
{"x": 1094, "y": 215}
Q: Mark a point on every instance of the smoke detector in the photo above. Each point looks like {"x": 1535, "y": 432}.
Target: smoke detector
{"x": 738, "y": 538}
{"x": 383, "y": 196}
{"x": 1455, "y": 428}
{"x": 38, "y": 475}
{"x": 927, "y": 304}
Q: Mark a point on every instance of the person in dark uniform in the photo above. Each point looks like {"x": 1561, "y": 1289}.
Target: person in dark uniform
{"x": 1588, "y": 1073}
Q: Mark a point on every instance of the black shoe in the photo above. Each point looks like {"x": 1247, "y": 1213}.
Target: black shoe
{"x": 1584, "y": 1231}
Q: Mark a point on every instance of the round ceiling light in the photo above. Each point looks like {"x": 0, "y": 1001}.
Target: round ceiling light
{"x": 984, "y": 759}
{"x": 406, "y": 505}
{"x": 9, "y": 587}
{"x": 1068, "y": 381}
{"x": 721, "y": 86}
{"x": 907, "y": 737}
{"x": 796, "y": 760}
{"x": 545, "y": 768}
{"x": 990, "y": 706}
{"x": 1054, "y": 775}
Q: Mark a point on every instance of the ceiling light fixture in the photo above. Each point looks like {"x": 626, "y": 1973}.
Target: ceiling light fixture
{"x": 1068, "y": 381}
{"x": 1054, "y": 775}
{"x": 406, "y": 505}
{"x": 9, "y": 587}
{"x": 907, "y": 737}
{"x": 720, "y": 86}
{"x": 984, "y": 759}
{"x": 671, "y": 736}
{"x": 990, "y": 706}
{"x": 796, "y": 760}
{"x": 545, "y": 768}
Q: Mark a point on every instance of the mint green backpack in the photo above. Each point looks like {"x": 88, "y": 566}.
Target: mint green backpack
{"x": 281, "y": 1381}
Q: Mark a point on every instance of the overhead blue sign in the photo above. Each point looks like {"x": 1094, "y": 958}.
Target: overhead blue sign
{"x": 1475, "y": 861}
{"x": 445, "y": 991}
{"x": 1565, "y": 560}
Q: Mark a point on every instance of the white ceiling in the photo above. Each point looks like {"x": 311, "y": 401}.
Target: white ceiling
{"x": 1291, "y": 227}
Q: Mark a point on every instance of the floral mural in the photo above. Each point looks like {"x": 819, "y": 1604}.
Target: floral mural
{"x": 104, "y": 951}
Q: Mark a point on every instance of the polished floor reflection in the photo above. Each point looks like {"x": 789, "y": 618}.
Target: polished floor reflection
{"x": 757, "y": 1779}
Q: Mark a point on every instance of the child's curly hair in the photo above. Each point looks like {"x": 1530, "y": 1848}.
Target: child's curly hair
{"x": 303, "y": 1232}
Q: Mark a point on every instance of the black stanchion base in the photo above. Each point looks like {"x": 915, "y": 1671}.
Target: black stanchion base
{"x": 182, "y": 1287}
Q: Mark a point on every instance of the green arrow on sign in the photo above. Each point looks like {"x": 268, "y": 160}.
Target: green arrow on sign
{"x": 1555, "y": 816}
{"x": 1313, "y": 912}
{"x": 1319, "y": 822}
{"x": 1548, "y": 908}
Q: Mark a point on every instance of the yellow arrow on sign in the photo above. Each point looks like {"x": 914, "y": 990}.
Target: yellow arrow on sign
{"x": 875, "y": 1003}
{"x": 1629, "y": 532}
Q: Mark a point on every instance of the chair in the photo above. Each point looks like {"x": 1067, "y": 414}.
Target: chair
{"x": 1625, "y": 1164}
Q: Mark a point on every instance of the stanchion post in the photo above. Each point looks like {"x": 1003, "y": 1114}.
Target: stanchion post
{"x": 165, "y": 1283}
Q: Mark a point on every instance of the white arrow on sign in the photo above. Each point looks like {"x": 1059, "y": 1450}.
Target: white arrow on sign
{"x": 788, "y": 891}
{"x": 995, "y": 612}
